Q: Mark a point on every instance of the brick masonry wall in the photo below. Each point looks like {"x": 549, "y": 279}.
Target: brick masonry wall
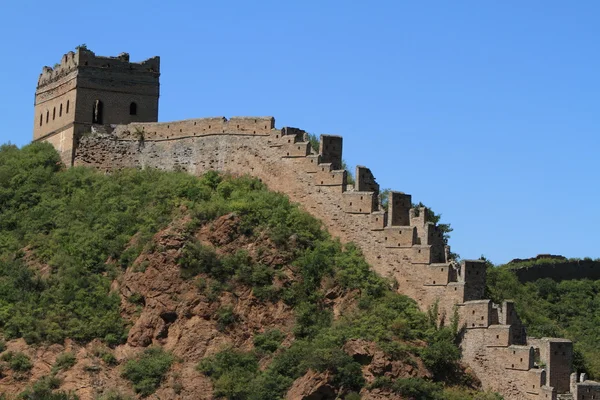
{"x": 413, "y": 253}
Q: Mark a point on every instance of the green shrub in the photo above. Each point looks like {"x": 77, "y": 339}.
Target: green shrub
{"x": 18, "y": 362}
{"x": 215, "y": 288}
{"x": 441, "y": 355}
{"x": 105, "y": 354}
{"x": 108, "y": 358}
{"x": 225, "y": 317}
{"x": 64, "y": 361}
{"x": 197, "y": 258}
{"x": 148, "y": 370}
{"x": 232, "y": 372}
{"x": 268, "y": 293}
{"x": 311, "y": 319}
{"x": 269, "y": 341}
{"x": 137, "y": 298}
{"x": 43, "y": 389}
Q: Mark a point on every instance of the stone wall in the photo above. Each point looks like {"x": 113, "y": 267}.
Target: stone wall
{"x": 579, "y": 269}
{"x": 398, "y": 243}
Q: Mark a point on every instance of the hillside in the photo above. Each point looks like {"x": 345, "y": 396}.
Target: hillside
{"x": 568, "y": 308}
{"x": 139, "y": 282}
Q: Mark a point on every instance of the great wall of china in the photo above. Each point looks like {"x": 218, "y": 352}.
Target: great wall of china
{"x": 397, "y": 242}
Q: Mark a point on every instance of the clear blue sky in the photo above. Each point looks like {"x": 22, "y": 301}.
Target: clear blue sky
{"x": 487, "y": 111}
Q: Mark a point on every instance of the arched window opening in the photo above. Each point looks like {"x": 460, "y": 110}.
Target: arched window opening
{"x": 133, "y": 109}
{"x": 60, "y": 110}
{"x": 41, "y": 119}
{"x": 47, "y": 116}
{"x": 67, "y": 110}
{"x": 54, "y": 114}
{"x": 98, "y": 111}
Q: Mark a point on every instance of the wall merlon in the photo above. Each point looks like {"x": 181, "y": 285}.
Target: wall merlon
{"x": 536, "y": 379}
{"x": 519, "y": 357}
{"x": 330, "y": 149}
{"x": 378, "y": 219}
{"x": 432, "y": 235}
{"x": 399, "y": 205}
{"x": 498, "y": 336}
{"x": 473, "y": 273}
{"x": 365, "y": 182}
{"x": 548, "y": 393}
{"x": 328, "y": 176}
{"x": 476, "y": 313}
{"x": 421, "y": 254}
{"x": 297, "y": 149}
{"x": 455, "y": 293}
{"x": 312, "y": 163}
{"x": 399, "y": 236}
{"x": 359, "y": 202}
{"x": 293, "y": 135}
{"x": 439, "y": 274}
{"x": 418, "y": 216}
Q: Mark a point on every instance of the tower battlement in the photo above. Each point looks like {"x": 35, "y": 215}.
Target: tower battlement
{"x": 85, "y": 58}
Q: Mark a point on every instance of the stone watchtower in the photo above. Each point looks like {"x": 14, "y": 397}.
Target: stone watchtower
{"x": 85, "y": 89}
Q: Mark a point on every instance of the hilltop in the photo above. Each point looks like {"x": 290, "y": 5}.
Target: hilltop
{"x": 142, "y": 281}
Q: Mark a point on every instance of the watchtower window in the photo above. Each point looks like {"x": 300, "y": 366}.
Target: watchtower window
{"x": 47, "y": 116}
{"x": 54, "y": 114}
{"x": 97, "y": 112}
{"x": 41, "y": 119}
{"x": 60, "y": 110}
{"x": 133, "y": 109}
{"x": 67, "y": 111}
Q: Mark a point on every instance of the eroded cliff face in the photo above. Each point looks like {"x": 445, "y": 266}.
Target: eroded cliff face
{"x": 181, "y": 316}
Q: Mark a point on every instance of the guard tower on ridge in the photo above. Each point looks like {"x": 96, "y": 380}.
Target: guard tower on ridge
{"x": 85, "y": 89}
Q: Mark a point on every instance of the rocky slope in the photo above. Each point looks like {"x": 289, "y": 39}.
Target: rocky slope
{"x": 177, "y": 315}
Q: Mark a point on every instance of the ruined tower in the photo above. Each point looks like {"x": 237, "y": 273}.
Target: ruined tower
{"x": 85, "y": 89}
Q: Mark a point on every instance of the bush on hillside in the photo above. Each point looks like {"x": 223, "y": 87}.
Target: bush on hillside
{"x": 148, "y": 370}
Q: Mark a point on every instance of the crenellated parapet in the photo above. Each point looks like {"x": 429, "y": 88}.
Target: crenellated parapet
{"x": 157, "y": 131}
{"x": 68, "y": 64}
{"x": 84, "y": 58}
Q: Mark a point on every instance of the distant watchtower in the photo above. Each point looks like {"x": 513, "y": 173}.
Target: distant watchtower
{"x": 85, "y": 89}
